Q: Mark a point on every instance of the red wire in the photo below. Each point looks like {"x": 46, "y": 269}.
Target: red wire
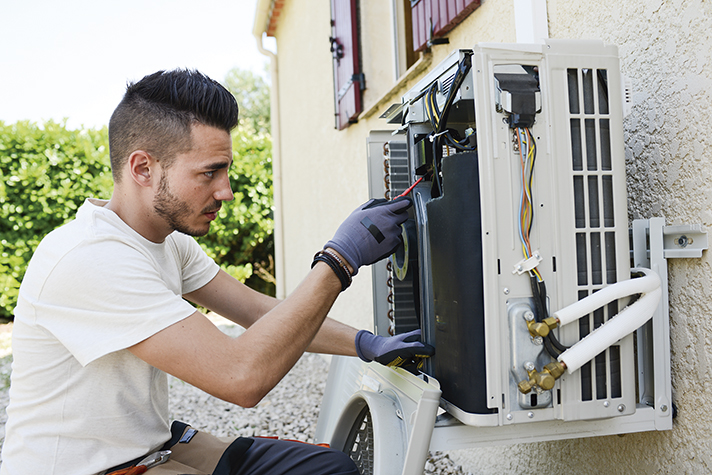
{"x": 405, "y": 193}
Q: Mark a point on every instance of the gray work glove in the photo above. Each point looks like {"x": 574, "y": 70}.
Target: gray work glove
{"x": 371, "y": 232}
{"x": 399, "y": 350}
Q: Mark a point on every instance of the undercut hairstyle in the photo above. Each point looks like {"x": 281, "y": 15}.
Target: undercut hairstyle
{"x": 157, "y": 113}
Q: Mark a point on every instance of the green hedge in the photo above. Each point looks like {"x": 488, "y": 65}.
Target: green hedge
{"x": 241, "y": 238}
{"x": 47, "y": 171}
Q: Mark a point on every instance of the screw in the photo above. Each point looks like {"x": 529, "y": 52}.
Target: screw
{"x": 509, "y": 417}
{"x": 682, "y": 241}
{"x": 528, "y": 316}
{"x": 506, "y": 291}
{"x": 537, "y": 340}
{"x": 529, "y": 366}
{"x": 621, "y": 407}
{"x": 606, "y": 404}
{"x": 663, "y": 408}
{"x": 530, "y": 415}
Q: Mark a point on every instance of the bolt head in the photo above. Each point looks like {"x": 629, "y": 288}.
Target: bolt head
{"x": 509, "y": 417}
{"x": 621, "y": 407}
{"x": 530, "y": 415}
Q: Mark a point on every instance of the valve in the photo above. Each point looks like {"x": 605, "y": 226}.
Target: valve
{"x": 544, "y": 379}
{"x": 542, "y": 328}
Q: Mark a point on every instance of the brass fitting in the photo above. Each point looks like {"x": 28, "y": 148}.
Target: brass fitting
{"x": 555, "y": 368}
{"x": 542, "y": 328}
{"x": 544, "y": 379}
{"x": 525, "y": 386}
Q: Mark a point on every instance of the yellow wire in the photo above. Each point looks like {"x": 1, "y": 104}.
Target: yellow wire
{"x": 525, "y": 215}
{"x": 432, "y": 105}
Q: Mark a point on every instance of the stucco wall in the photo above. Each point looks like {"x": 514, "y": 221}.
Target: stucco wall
{"x": 666, "y": 50}
{"x": 323, "y": 170}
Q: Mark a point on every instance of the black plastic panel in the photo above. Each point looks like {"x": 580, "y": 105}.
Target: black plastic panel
{"x": 456, "y": 249}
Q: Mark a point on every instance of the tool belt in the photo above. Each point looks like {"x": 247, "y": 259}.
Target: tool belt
{"x": 195, "y": 453}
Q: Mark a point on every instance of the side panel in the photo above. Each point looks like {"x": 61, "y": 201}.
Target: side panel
{"x": 456, "y": 261}
{"x": 578, "y": 229}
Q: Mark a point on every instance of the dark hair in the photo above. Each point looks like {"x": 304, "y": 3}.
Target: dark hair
{"x": 157, "y": 112}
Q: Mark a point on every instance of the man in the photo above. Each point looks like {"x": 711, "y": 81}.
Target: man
{"x": 103, "y": 312}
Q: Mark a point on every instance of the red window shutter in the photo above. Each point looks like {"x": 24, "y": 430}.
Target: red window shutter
{"x": 435, "y": 18}
{"x": 348, "y": 79}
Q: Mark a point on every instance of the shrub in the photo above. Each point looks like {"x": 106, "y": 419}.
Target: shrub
{"x": 46, "y": 172}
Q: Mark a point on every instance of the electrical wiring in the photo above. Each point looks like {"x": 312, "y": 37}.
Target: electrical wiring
{"x": 436, "y": 117}
{"x": 443, "y": 138}
{"x": 527, "y": 157}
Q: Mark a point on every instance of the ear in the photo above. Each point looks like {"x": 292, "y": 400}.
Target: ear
{"x": 142, "y": 168}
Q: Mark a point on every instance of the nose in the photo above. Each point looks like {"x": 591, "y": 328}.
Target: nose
{"x": 224, "y": 192}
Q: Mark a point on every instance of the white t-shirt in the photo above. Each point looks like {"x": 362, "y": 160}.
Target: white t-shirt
{"x": 79, "y": 401}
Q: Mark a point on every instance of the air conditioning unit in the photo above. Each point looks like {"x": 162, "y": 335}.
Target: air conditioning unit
{"x": 522, "y": 212}
{"x": 517, "y": 262}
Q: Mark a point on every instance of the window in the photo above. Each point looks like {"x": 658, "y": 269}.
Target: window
{"x": 435, "y": 18}
{"x": 404, "y": 53}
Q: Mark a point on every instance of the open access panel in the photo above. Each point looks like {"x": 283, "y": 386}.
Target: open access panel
{"x": 516, "y": 263}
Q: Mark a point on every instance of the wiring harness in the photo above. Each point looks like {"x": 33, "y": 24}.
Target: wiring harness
{"x": 442, "y": 137}
{"x": 527, "y": 155}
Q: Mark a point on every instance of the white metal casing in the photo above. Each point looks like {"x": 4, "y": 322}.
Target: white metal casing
{"x": 557, "y": 222}
{"x": 580, "y": 231}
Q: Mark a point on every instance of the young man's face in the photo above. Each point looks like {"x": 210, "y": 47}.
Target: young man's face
{"x": 193, "y": 188}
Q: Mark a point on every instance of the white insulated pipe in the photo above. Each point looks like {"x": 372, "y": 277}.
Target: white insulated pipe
{"x": 641, "y": 285}
{"x": 627, "y": 321}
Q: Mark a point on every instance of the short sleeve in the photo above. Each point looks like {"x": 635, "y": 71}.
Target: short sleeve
{"x": 197, "y": 267}
{"x": 95, "y": 307}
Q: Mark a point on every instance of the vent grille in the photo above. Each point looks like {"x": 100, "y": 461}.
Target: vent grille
{"x": 398, "y": 168}
{"x": 401, "y": 302}
{"x": 594, "y": 218}
{"x": 445, "y": 85}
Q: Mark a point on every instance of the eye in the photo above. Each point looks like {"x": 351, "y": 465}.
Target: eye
{"x": 209, "y": 174}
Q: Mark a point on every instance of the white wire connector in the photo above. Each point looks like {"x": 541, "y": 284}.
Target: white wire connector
{"x": 525, "y": 265}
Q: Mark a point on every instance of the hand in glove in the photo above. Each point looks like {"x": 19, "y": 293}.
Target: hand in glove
{"x": 398, "y": 350}
{"x": 371, "y": 232}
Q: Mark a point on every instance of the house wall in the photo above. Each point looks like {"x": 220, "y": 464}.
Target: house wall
{"x": 324, "y": 170}
{"x": 665, "y": 49}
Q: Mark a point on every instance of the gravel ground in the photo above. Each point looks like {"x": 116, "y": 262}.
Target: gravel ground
{"x": 289, "y": 411}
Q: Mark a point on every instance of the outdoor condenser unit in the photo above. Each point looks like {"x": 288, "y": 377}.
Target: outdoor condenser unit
{"x": 517, "y": 261}
{"x": 522, "y": 212}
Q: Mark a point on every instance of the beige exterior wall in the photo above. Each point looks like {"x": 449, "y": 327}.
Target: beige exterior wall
{"x": 666, "y": 50}
{"x": 324, "y": 171}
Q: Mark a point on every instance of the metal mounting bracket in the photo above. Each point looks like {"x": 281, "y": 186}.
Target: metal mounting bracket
{"x": 652, "y": 243}
{"x": 687, "y": 240}
{"x": 683, "y": 241}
